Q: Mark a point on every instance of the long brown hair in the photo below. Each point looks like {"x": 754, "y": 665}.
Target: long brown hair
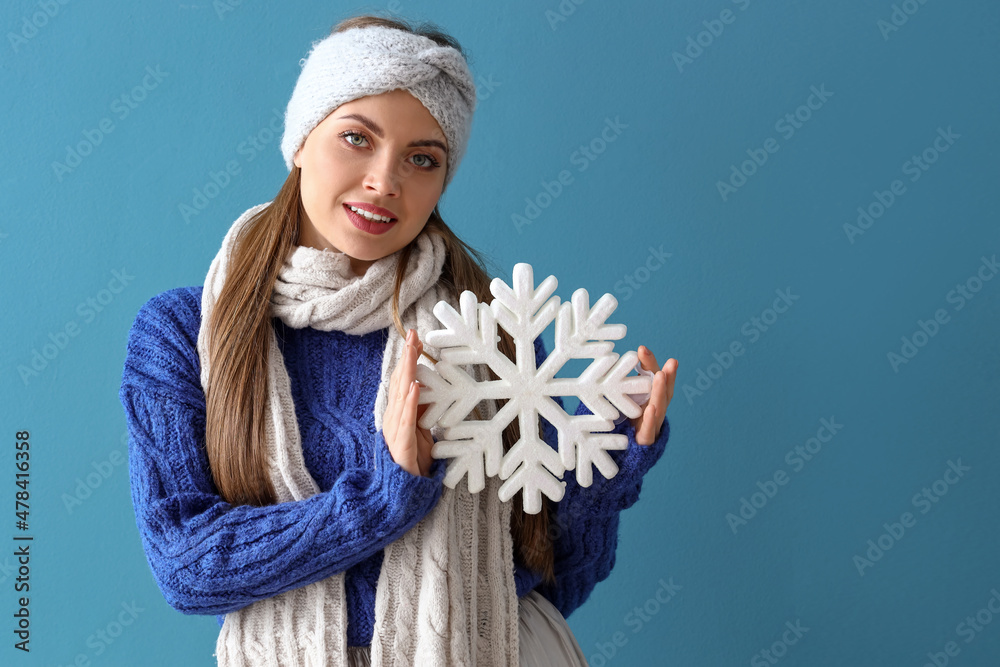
{"x": 241, "y": 325}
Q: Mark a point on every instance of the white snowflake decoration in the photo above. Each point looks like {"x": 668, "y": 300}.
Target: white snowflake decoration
{"x": 531, "y": 465}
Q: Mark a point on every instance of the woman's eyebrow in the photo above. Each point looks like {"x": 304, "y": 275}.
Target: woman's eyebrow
{"x": 377, "y": 131}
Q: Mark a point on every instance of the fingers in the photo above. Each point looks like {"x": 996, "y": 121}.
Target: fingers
{"x": 408, "y": 372}
{"x": 425, "y": 442}
{"x": 646, "y": 434}
{"x": 399, "y": 381}
{"x": 409, "y": 362}
{"x": 416, "y": 442}
{"x": 647, "y": 359}
{"x": 402, "y": 409}
{"x": 670, "y": 373}
{"x": 660, "y": 395}
{"x": 407, "y": 427}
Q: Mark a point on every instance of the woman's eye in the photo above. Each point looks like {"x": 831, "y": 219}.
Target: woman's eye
{"x": 352, "y": 134}
{"x": 426, "y": 161}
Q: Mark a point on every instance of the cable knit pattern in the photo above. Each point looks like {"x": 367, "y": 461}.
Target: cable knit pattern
{"x": 372, "y": 60}
{"x": 209, "y": 557}
{"x": 318, "y": 289}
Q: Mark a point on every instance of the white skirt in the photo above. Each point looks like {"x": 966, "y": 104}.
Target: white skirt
{"x": 544, "y": 639}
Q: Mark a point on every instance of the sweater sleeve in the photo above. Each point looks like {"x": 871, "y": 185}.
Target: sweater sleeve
{"x": 208, "y": 556}
{"x": 585, "y": 524}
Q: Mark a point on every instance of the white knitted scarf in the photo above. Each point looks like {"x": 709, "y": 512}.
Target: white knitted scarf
{"x": 446, "y": 593}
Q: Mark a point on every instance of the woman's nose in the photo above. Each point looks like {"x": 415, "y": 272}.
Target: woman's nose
{"x": 383, "y": 176}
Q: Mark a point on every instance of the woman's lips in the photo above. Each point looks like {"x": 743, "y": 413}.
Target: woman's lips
{"x": 372, "y": 208}
{"x": 366, "y": 225}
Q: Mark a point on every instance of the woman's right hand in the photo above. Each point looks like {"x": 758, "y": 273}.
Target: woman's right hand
{"x": 409, "y": 445}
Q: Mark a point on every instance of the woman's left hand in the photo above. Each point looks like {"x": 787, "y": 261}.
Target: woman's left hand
{"x": 647, "y": 425}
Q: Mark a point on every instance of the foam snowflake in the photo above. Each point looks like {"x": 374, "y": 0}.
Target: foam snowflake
{"x": 531, "y": 465}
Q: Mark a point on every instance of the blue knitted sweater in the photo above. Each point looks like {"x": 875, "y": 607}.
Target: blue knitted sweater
{"x": 210, "y": 557}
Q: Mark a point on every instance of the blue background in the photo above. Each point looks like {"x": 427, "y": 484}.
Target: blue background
{"x": 550, "y": 75}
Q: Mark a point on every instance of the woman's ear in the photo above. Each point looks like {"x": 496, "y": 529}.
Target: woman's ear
{"x": 295, "y": 158}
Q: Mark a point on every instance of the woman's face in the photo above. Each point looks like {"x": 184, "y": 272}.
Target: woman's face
{"x": 384, "y": 152}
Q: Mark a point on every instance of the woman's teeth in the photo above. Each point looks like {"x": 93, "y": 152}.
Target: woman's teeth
{"x": 370, "y": 216}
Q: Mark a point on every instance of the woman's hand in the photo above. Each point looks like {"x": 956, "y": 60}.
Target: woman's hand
{"x": 409, "y": 445}
{"x": 647, "y": 425}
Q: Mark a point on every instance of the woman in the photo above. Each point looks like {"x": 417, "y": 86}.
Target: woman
{"x": 314, "y": 522}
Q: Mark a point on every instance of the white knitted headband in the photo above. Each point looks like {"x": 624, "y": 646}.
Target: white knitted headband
{"x": 373, "y": 60}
